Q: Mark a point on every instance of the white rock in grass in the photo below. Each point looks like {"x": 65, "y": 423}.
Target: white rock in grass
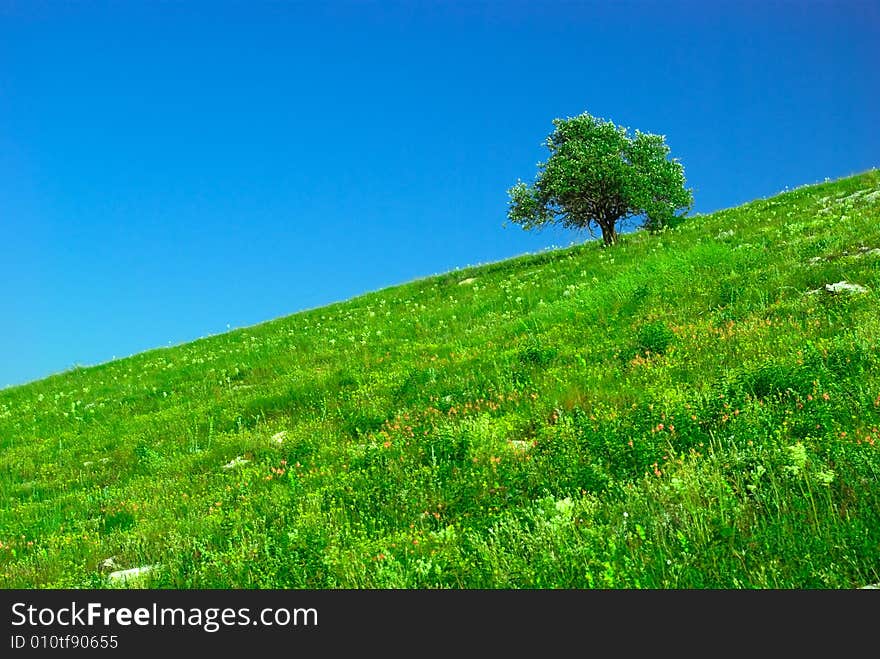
{"x": 108, "y": 563}
{"x": 855, "y": 195}
{"x": 845, "y": 287}
{"x": 232, "y": 464}
{"x": 871, "y": 586}
{"x": 469, "y": 280}
{"x": 279, "y": 437}
{"x": 133, "y": 574}
{"x": 520, "y": 445}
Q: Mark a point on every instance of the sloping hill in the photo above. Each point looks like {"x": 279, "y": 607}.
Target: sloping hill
{"x": 691, "y": 409}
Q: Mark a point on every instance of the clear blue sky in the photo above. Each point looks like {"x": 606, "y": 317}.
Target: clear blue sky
{"x": 168, "y": 169}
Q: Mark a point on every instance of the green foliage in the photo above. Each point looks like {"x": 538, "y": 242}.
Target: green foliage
{"x": 597, "y": 174}
{"x": 561, "y": 420}
{"x": 772, "y": 379}
{"x": 654, "y": 337}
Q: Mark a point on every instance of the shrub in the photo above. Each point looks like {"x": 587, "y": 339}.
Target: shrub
{"x": 655, "y": 338}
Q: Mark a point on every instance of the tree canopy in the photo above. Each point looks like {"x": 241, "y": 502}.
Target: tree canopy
{"x": 597, "y": 174}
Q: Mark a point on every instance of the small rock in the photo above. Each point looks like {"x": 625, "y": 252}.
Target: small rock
{"x": 127, "y": 576}
{"x": 871, "y": 586}
{"x": 845, "y": 287}
{"x": 520, "y": 445}
{"x": 279, "y": 437}
{"x": 88, "y": 463}
{"x": 108, "y": 563}
{"x": 814, "y": 260}
{"x": 469, "y": 280}
{"x": 235, "y": 463}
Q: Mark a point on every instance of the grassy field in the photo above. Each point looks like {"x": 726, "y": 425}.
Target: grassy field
{"x": 689, "y": 409}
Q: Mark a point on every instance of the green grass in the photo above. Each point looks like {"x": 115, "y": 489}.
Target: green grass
{"x": 684, "y": 410}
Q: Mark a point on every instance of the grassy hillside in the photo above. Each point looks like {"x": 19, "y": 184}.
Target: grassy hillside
{"x": 686, "y": 410}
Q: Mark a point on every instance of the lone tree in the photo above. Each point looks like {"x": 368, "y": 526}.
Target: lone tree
{"x": 598, "y": 174}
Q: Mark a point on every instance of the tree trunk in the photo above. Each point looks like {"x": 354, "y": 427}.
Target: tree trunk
{"x": 609, "y": 234}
